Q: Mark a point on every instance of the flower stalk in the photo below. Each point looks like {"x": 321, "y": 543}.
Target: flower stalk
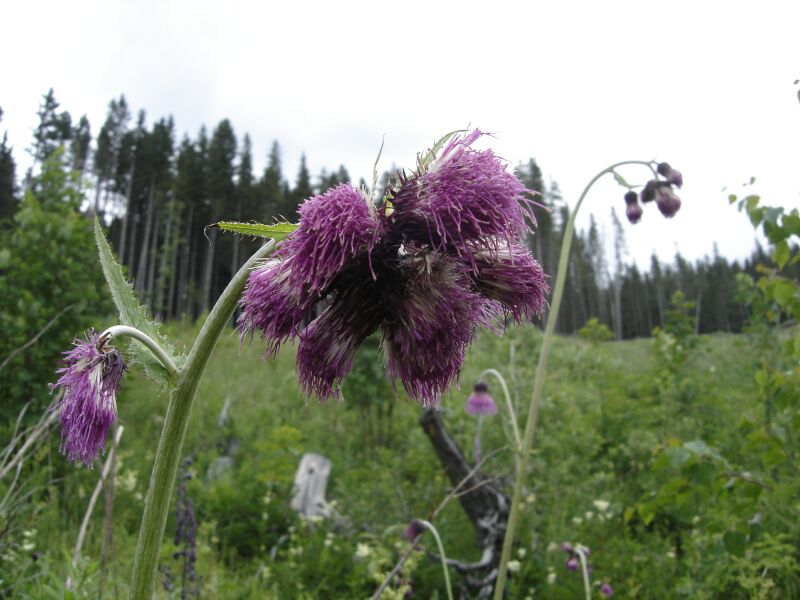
{"x": 541, "y": 369}
{"x": 429, "y": 526}
{"x": 149, "y": 343}
{"x": 168, "y": 455}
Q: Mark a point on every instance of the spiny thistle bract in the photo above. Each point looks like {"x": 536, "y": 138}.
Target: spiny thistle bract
{"x": 441, "y": 255}
{"x": 90, "y": 380}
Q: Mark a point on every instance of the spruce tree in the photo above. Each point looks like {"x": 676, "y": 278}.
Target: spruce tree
{"x": 8, "y": 201}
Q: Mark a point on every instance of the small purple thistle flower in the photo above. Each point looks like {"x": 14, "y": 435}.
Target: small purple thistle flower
{"x": 414, "y": 530}
{"x": 90, "y": 380}
{"x": 632, "y": 209}
{"x": 572, "y": 563}
{"x": 606, "y": 590}
{"x": 480, "y": 403}
{"x": 667, "y": 201}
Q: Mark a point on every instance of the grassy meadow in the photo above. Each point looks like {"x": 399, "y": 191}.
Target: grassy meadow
{"x": 608, "y": 452}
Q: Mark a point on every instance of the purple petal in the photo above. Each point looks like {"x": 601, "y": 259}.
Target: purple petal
{"x": 432, "y": 323}
{"x": 329, "y": 344}
{"x": 271, "y": 306}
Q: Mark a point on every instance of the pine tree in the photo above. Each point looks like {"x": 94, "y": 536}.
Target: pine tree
{"x": 81, "y": 142}
{"x": 54, "y": 130}
{"x": 8, "y": 201}
{"x": 271, "y": 188}
{"x": 302, "y": 190}
{"x": 221, "y": 197}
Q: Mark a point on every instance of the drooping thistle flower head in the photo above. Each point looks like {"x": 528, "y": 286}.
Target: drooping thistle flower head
{"x": 480, "y": 403}
{"x": 632, "y": 209}
{"x": 441, "y": 255}
{"x": 90, "y": 380}
{"x": 606, "y": 590}
{"x": 414, "y": 530}
{"x": 659, "y": 190}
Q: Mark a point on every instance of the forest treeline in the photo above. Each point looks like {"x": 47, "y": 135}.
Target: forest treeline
{"x": 156, "y": 194}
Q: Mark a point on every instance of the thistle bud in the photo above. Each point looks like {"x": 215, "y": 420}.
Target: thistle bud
{"x": 673, "y": 176}
{"x": 632, "y": 209}
{"x": 667, "y": 201}
{"x": 648, "y": 193}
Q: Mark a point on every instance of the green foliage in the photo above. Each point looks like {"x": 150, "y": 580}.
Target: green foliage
{"x": 276, "y": 231}
{"x": 595, "y": 331}
{"x": 131, "y": 313}
{"x": 49, "y": 270}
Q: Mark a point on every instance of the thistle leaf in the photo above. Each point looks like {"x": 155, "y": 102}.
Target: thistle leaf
{"x": 276, "y": 231}
{"x": 131, "y": 313}
{"x": 424, "y": 160}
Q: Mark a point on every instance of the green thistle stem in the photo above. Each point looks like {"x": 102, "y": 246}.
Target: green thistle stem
{"x": 429, "y": 526}
{"x": 168, "y": 455}
{"x": 123, "y": 330}
{"x": 541, "y": 369}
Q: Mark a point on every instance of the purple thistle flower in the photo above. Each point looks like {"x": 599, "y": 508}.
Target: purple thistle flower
{"x": 606, "y": 590}
{"x": 480, "y": 403}
{"x": 434, "y": 321}
{"x": 667, "y": 201}
{"x": 572, "y": 563}
{"x": 414, "y": 530}
{"x": 513, "y": 278}
{"x": 632, "y": 209}
{"x": 271, "y": 305}
{"x": 90, "y": 380}
{"x": 334, "y": 227}
{"x": 442, "y": 257}
{"x": 464, "y": 200}
{"x": 672, "y": 176}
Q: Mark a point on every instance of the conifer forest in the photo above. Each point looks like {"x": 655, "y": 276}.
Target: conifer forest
{"x": 229, "y": 370}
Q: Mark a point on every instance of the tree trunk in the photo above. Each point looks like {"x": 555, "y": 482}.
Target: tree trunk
{"x": 141, "y": 270}
{"x": 124, "y": 232}
{"x": 486, "y": 506}
{"x": 208, "y": 271}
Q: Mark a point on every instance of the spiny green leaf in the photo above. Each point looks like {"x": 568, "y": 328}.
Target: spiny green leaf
{"x": 426, "y": 159}
{"x": 131, "y": 313}
{"x": 276, "y": 231}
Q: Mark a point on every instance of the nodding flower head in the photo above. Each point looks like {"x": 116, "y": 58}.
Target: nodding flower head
{"x": 632, "y": 208}
{"x": 606, "y": 590}
{"x": 480, "y": 403}
{"x": 667, "y": 201}
{"x": 673, "y": 176}
{"x": 659, "y": 190}
{"x": 442, "y": 255}
{"x": 414, "y": 530}
{"x": 90, "y": 380}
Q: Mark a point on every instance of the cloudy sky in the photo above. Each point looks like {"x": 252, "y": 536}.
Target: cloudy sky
{"x": 707, "y": 86}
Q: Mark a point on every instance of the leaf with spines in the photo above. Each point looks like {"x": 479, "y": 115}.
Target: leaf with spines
{"x": 276, "y": 231}
{"x": 424, "y": 160}
{"x": 131, "y": 313}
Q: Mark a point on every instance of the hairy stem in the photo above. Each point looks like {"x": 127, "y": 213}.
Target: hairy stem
{"x": 150, "y": 344}
{"x": 168, "y": 455}
{"x": 541, "y": 368}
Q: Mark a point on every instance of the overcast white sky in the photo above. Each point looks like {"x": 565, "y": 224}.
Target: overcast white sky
{"x": 707, "y": 86}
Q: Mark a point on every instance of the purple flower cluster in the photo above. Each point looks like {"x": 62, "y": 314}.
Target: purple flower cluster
{"x": 480, "y": 403}
{"x": 90, "y": 380}
{"x": 660, "y": 190}
{"x": 573, "y": 563}
{"x": 441, "y": 255}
